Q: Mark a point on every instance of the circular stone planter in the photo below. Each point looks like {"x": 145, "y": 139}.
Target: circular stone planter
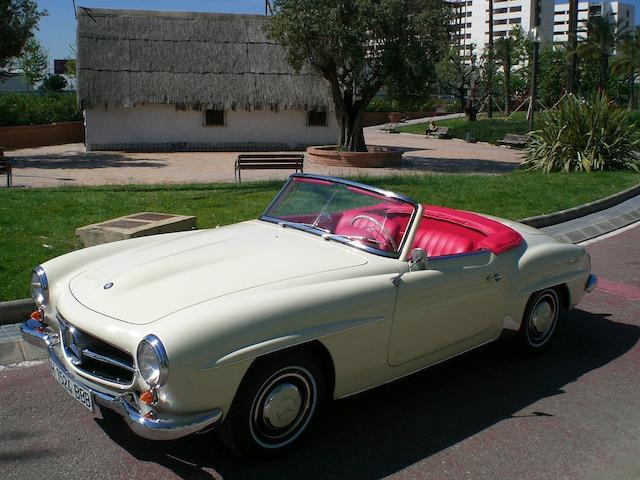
{"x": 376, "y": 157}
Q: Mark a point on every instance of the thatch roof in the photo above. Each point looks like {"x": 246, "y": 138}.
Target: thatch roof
{"x": 190, "y": 60}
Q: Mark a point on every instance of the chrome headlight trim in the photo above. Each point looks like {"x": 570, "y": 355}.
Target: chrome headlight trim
{"x": 155, "y": 375}
{"x": 40, "y": 287}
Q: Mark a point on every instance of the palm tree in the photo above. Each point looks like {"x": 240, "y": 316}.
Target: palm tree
{"x": 601, "y": 42}
{"x": 627, "y": 61}
{"x": 490, "y": 63}
{"x": 505, "y": 48}
{"x": 572, "y": 44}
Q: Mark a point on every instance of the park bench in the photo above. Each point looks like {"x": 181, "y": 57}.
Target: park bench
{"x": 438, "y": 132}
{"x": 513, "y": 140}
{"x": 5, "y": 167}
{"x": 268, "y": 161}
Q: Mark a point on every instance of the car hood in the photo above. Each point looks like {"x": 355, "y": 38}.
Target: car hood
{"x": 146, "y": 283}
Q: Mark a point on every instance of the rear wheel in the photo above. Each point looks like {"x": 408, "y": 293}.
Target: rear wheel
{"x": 275, "y": 404}
{"x": 540, "y": 320}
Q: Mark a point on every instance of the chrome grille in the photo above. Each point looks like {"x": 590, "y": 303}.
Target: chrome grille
{"x": 94, "y": 356}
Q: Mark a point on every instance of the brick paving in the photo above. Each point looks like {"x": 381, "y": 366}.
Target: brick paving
{"x": 70, "y": 164}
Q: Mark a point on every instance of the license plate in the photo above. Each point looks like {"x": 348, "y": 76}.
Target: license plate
{"x": 77, "y": 391}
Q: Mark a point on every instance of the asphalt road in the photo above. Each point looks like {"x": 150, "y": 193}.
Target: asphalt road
{"x": 571, "y": 413}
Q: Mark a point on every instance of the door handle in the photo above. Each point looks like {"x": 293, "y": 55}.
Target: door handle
{"x": 496, "y": 277}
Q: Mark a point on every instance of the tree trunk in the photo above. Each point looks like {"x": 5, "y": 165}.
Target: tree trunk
{"x": 507, "y": 85}
{"x": 632, "y": 81}
{"x": 572, "y": 60}
{"x": 350, "y": 123}
{"x": 604, "y": 72}
{"x": 490, "y": 62}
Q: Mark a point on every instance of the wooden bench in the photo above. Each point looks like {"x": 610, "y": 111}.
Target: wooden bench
{"x": 268, "y": 161}
{"x": 513, "y": 140}
{"x": 5, "y": 167}
{"x": 439, "y": 132}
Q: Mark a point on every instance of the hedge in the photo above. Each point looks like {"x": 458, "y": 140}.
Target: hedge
{"x": 36, "y": 108}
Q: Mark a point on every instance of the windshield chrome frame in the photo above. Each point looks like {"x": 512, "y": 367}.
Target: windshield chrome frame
{"x": 344, "y": 240}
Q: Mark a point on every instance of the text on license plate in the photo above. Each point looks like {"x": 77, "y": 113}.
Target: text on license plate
{"x": 76, "y": 391}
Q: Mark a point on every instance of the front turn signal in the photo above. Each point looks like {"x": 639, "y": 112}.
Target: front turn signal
{"x": 36, "y": 315}
{"x": 149, "y": 397}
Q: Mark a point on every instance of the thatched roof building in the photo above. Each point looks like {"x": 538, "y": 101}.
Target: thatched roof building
{"x": 196, "y": 61}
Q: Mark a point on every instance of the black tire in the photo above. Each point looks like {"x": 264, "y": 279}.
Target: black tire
{"x": 540, "y": 320}
{"x": 275, "y": 405}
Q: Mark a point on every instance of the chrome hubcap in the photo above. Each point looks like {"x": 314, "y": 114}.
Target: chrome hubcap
{"x": 282, "y": 405}
{"x": 542, "y": 317}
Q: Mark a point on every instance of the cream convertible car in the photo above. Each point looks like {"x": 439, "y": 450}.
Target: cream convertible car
{"x": 337, "y": 288}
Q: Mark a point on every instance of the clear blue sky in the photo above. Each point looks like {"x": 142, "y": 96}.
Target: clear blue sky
{"x": 58, "y": 30}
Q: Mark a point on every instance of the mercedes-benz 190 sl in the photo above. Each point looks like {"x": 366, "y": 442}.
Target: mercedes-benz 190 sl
{"x": 337, "y": 288}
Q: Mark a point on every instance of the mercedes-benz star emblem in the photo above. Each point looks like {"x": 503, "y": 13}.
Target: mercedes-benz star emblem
{"x": 107, "y": 286}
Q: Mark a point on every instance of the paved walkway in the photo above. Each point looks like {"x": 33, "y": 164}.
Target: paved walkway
{"x": 66, "y": 165}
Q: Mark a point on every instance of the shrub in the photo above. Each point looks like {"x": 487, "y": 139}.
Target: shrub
{"x": 23, "y": 109}
{"x": 54, "y": 83}
{"x": 583, "y": 136}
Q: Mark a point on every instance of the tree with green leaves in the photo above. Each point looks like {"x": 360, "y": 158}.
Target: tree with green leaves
{"x": 626, "y": 63}
{"x": 462, "y": 78}
{"x": 18, "y": 19}
{"x": 505, "y": 51}
{"x": 362, "y": 46}
{"x": 71, "y": 64}
{"x": 598, "y": 46}
{"x": 53, "y": 83}
{"x": 33, "y": 62}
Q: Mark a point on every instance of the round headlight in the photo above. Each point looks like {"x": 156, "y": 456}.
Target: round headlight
{"x": 39, "y": 287}
{"x": 152, "y": 361}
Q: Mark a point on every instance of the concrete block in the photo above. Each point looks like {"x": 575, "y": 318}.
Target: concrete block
{"x": 133, "y": 226}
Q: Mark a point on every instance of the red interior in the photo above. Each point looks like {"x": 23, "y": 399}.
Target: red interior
{"x": 446, "y": 231}
{"x": 442, "y": 231}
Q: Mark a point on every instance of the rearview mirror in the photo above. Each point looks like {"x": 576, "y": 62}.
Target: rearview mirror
{"x": 418, "y": 259}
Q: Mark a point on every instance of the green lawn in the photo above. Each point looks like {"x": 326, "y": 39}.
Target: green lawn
{"x": 488, "y": 130}
{"x": 483, "y": 129}
{"x": 38, "y": 224}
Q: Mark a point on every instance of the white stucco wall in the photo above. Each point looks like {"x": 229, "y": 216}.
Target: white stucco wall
{"x": 162, "y": 127}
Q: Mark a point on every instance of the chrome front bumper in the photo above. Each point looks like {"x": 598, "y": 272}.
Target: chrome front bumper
{"x": 157, "y": 428}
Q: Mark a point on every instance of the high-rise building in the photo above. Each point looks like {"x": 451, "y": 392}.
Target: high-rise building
{"x": 471, "y": 20}
{"x": 622, "y": 16}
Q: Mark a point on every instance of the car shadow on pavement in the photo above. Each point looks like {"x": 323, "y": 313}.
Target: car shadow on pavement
{"x": 83, "y": 160}
{"x": 382, "y": 431}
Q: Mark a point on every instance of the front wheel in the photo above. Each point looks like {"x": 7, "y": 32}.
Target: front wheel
{"x": 540, "y": 320}
{"x": 275, "y": 404}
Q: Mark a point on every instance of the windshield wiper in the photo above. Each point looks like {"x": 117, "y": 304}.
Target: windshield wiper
{"x": 302, "y": 224}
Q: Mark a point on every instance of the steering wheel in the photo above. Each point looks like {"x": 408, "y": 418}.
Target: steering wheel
{"x": 384, "y": 233}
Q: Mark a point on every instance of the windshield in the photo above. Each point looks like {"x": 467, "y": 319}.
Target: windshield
{"x": 345, "y": 212}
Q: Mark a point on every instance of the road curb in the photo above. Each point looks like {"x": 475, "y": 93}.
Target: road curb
{"x": 15, "y": 310}
{"x": 549, "y": 219}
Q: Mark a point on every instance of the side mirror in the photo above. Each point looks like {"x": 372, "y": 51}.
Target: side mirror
{"x": 418, "y": 259}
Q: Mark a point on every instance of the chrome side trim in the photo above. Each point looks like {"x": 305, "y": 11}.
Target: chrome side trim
{"x": 153, "y": 427}
{"x": 112, "y": 361}
{"x": 592, "y": 283}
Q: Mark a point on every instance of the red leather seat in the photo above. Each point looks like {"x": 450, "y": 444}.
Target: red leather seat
{"x": 439, "y": 242}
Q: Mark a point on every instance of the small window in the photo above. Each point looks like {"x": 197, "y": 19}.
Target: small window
{"x": 316, "y": 119}
{"x": 214, "y": 118}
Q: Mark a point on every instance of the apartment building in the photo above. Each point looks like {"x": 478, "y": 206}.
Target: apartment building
{"x": 622, "y": 15}
{"x": 471, "y": 20}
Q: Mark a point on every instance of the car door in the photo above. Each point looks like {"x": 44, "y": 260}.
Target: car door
{"x": 457, "y": 303}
